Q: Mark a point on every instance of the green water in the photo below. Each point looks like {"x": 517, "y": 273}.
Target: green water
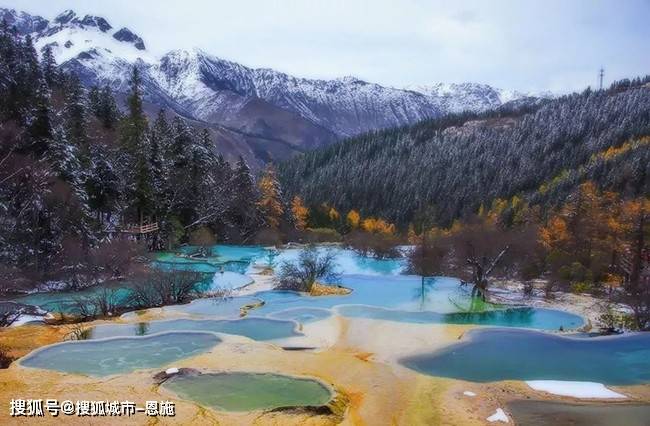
{"x": 249, "y": 391}
{"x": 120, "y": 355}
{"x": 509, "y": 354}
{"x": 254, "y": 328}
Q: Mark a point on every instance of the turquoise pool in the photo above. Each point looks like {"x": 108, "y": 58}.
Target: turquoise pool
{"x": 120, "y": 355}
{"x": 348, "y": 261}
{"x": 524, "y": 317}
{"x": 302, "y": 315}
{"x": 254, "y": 328}
{"x": 506, "y": 354}
{"x": 228, "y": 308}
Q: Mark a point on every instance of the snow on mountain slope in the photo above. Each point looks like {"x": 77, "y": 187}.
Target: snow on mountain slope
{"x": 303, "y": 113}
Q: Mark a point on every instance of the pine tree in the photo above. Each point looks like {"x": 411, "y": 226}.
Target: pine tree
{"x": 48, "y": 66}
{"x": 103, "y": 183}
{"x": 134, "y": 125}
{"x": 109, "y": 114}
{"x": 40, "y": 129}
{"x": 74, "y": 112}
{"x": 242, "y": 210}
{"x": 133, "y": 137}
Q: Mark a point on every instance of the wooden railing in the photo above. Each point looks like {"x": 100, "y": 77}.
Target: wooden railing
{"x": 141, "y": 229}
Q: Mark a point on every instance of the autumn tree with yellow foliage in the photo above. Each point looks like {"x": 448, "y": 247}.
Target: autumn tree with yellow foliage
{"x": 353, "y": 219}
{"x": 270, "y": 202}
{"x": 300, "y": 213}
{"x": 587, "y": 237}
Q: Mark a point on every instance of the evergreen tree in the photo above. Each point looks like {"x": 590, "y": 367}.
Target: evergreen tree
{"x": 134, "y": 125}
{"x": 40, "y": 129}
{"x": 109, "y": 114}
{"x": 242, "y": 210}
{"x": 133, "y": 137}
{"x": 74, "y": 112}
{"x": 48, "y": 66}
{"x": 103, "y": 183}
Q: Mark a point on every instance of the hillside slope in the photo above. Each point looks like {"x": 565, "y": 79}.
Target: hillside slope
{"x": 457, "y": 163}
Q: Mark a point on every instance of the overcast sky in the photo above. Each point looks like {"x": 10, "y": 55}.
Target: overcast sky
{"x": 556, "y": 45}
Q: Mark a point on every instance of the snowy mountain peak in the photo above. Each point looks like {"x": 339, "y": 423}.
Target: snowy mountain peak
{"x": 252, "y": 101}
{"x": 90, "y": 39}
{"x": 65, "y": 17}
{"x": 24, "y": 22}
{"x": 126, "y": 35}
{"x": 96, "y": 21}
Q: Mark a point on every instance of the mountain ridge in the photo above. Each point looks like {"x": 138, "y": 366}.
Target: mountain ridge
{"x": 195, "y": 84}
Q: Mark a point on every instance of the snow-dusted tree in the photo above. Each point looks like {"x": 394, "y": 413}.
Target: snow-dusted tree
{"x": 48, "y": 65}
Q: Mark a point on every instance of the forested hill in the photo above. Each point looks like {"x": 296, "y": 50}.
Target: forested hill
{"x": 455, "y": 164}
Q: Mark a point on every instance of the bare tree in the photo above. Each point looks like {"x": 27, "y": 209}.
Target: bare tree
{"x": 311, "y": 266}
{"x": 103, "y": 302}
{"x": 476, "y": 253}
{"x": 159, "y": 288}
{"x": 9, "y": 317}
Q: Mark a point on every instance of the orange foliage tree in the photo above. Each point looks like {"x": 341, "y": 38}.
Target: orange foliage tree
{"x": 270, "y": 198}
{"x": 300, "y": 213}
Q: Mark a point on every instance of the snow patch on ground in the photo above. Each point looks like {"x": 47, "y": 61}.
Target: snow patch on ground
{"x": 24, "y": 319}
{"x": 498, "y": 416}
{"x": 574, "y": 389}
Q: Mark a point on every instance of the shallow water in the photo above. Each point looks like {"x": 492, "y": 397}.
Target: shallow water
{"x": 254, "y": 328}
{"x": 506, "y": 354}
{"x": 67, "y": 301}
{"x": 547, "y": 413}
{"x": 541, "y": 319}
{"x": 120, "y": 355}
{"x": 249, "y": 391}
{"x": 228, "y": 280}
{"x": 404, "y": 292}
{"x": 223, "y": 308}
{"x": 347, "y": 261}
{"x": 302, "y": 315}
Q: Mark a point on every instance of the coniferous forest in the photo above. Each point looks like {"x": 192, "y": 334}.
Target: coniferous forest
{"x": 453, "y": 165}
{"x": 77, "y": 169}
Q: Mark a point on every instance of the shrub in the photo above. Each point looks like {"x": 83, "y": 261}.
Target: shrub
{"x": 581, "y": 287}
{"x": 323, "y": 235}
{"x": 380, "y": 246}
{"x": 204, "y": 238}
{"x": 5, "y": 358}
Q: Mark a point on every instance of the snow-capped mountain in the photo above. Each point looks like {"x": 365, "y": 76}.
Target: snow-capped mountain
{"x": 301, "y": 113}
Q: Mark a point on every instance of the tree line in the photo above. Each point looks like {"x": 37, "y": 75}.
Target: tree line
{"x": 76, "y": 169}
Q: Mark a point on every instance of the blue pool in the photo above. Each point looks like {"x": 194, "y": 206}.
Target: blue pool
{"x": 506, "y": 354}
